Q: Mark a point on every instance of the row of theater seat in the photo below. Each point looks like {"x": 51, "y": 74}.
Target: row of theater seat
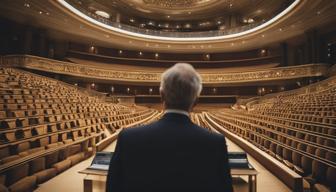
{"x": 296, "y": 128}
{"x": 46, "y": 126}
{"x": 199, "y": 119}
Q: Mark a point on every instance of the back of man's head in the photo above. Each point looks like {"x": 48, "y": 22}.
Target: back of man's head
{"x": 180, "y": 87}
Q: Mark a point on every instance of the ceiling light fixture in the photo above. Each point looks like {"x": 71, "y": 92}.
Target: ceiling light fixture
{"x": 103, "y": 14}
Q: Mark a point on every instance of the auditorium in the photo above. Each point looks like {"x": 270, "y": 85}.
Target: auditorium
{"x": 168, "y": 95}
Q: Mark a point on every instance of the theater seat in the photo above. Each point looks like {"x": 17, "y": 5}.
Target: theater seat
{"x": 76, "y": 158}
{"x": 16, "y": 173}
{"x": 74, "y": 149}
{"x": 9, "y": 159}
{"x": 3, "y": 188}
{"x": 329, "y": 185}
{"x": 62, "y": 165}
{"x": 306, "y": 186}
{"x": 30, "y": 151}
{"x": 37, "y": 165}
{"x": 52, "y": 158}
{"x": 321, "y": 188}
{"x": 24, "y": 185}
{"x": 45, "y": 175}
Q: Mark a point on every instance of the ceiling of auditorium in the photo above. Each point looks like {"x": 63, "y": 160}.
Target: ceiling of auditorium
{"x": 181, "y": 15}
{"x": 62, "y": 23}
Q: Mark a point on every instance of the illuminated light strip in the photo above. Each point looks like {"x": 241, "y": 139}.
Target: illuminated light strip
{"x": 115, "y": 29}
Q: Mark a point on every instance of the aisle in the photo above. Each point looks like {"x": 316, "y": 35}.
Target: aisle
{"x": 71, "y": 180}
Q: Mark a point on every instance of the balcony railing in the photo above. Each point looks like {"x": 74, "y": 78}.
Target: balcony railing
{"x": 110, "y": 73}
{"x": 175, "y": 34}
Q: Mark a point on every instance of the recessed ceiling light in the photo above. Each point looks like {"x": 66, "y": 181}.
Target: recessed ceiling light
{"x": 168, "y": 16}
{"x": 103, "y": 14}
{"x": 40, "y": 12}
{"x": 248, "y": 20}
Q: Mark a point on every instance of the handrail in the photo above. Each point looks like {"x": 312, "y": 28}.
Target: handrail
{"x": 73, "y": 69}
{"x": 172, "y": 60}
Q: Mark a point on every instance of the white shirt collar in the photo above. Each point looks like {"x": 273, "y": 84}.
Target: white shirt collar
{"x": 178, "y": 111}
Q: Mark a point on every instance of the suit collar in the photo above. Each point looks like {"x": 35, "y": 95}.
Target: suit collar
{"x": 176, "y": 117}
{"x": 178, "y": 111}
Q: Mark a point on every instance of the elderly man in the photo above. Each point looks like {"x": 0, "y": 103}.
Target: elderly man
{"x": 172, "y": 154}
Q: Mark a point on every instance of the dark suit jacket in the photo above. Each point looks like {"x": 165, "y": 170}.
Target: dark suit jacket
{"x": 172, "y": 154}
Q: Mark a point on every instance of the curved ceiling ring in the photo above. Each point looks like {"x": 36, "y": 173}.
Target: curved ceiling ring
{"x": 178, "y": 39}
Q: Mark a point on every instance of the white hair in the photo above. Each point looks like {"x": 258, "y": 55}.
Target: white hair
{"x": 180, "y": 86}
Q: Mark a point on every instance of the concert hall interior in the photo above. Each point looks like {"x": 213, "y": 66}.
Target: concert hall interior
{"x": 75, "y": 73}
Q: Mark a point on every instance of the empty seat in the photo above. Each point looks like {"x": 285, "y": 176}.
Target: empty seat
{"x": 62, "y": 165}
